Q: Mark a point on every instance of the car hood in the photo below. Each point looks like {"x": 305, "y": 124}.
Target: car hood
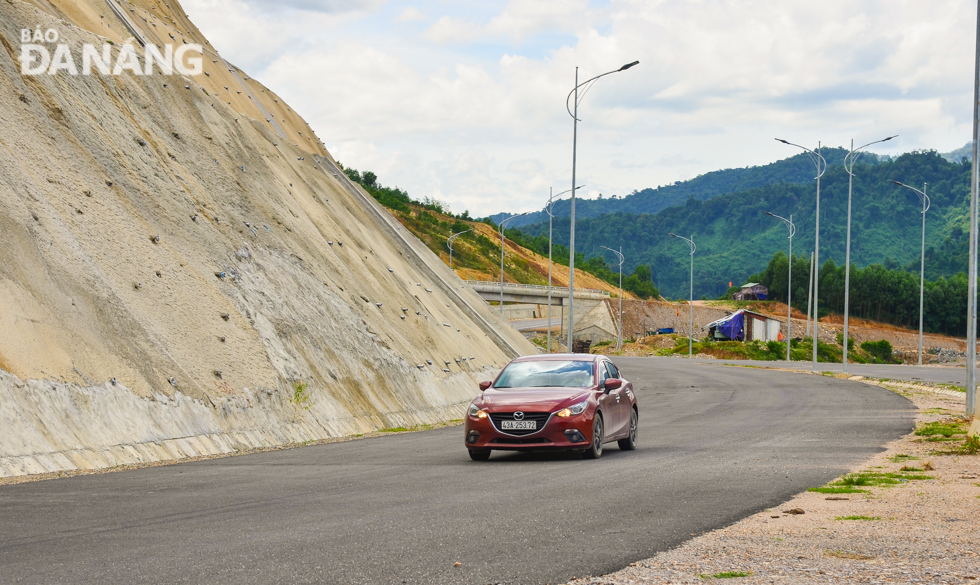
{"x": 531, "y": 399}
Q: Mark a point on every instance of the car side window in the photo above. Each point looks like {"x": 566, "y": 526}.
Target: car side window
{"x": 613, "y": 371}
{"x": 603, "y": 374}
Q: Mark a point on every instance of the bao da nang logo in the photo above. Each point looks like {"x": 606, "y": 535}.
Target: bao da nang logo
{"x": 38, "y": 59}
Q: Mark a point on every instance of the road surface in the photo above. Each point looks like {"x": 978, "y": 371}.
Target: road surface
{"x": 715, "y": 444}
{"x": 534, "y": 324}
{"x": 955, "y": 375}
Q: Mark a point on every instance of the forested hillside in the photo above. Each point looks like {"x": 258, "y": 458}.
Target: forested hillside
{"x": 736, "y": 239}
{"x": 877, "y": 293}
{"x": 796, "y": 169}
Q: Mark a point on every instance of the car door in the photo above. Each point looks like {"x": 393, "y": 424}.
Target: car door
{"x": 607, "y": 404}
{"x": 617, "y": 406}
{"x": 622, "y": 400}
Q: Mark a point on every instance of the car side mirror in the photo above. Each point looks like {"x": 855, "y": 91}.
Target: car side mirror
{"x": 612, "y": 384}
{"x": 485, "y": 385}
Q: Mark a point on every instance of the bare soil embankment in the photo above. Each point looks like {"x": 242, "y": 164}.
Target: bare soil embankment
{"x": 181, "y": 275}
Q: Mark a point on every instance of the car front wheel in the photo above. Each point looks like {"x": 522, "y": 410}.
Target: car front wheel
{"x": 629, "y": 443}
{"x": 479, "y": 454}
{"x": 595, "y": 450}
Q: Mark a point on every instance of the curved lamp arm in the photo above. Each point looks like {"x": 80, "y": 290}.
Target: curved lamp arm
{"x": 855, "y": 154}
{"x": 789, "y": 224}
{"x": 926, "y": 202}
{"x": 623, "y": 68}
{"x": 501, "y": 225}
{"x": 689, "y": 242}
{"x": 452, "y": 237}
{"x": 617, "y": 253}
{"x": 816, "y": 157}
{"x": 554, "y": 199}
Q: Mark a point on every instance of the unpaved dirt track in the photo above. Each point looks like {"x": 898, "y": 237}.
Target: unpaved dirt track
{"x": 716, "y": 444}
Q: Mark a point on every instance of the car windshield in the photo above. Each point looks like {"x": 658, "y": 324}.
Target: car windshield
{"x": 546, "y": 374}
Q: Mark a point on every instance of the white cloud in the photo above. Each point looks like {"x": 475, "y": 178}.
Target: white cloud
{"x": 471, "y": 110}
{"x": 452, "y": 30}
{"x": 410, "y": 14}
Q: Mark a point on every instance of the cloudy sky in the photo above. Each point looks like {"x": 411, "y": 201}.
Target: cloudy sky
{"x": 464, "y": 101}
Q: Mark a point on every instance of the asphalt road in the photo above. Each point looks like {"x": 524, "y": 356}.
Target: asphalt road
{"x": 715, "y": 444}
{"x": 955, "y": 375}
{"x": 533, "y": 324}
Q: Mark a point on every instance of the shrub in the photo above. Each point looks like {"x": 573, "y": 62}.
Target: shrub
{"x": 880, "y": 351}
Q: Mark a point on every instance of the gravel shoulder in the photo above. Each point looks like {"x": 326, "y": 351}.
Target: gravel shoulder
{"x": 915, "y": 531}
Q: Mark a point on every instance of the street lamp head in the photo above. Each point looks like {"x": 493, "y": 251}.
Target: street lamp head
{"x": 897, "y": 183}
{"x": 781, "y": 140}
{"x": 673, "y": 235}
{"x": 769, "y": 213}
{"x": 628, "y": 65}
{"x": 889, "y": 138}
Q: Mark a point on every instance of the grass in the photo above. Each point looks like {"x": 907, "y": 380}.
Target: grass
{"x": 755, "y": 350}
{"x": 865, "y": 518}
{"x": 300, "y": 397}
{"x": 944, "y": 430}
{"x": 727, "y": 575}
{"x": 425, "y": 427}
{"x": 853, "y": 482}
{"x": 947, "y": 431}
{"x": 829, "y": 489}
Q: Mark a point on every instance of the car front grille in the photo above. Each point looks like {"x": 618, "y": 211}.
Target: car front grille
{"x": 540, "y": 417}
{"x": 516, "y": 441}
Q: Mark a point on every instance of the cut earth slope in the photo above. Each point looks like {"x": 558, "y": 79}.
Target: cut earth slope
{"x": 179, "y": 278}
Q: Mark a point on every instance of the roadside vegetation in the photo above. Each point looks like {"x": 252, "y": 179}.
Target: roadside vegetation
{"x": 951, "y": 432}
{"x": 854, "y": 483}
{"x": 433, "y": 221}
{"x": 802, "y": 350}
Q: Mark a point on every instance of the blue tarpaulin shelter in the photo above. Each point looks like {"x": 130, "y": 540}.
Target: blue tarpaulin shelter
{"x": 731, "y": 327}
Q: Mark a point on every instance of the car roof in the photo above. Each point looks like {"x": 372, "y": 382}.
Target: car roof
{"x": 577, "y": 357}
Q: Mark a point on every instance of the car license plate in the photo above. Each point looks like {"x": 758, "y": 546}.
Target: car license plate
{"x": 519, "y": 425}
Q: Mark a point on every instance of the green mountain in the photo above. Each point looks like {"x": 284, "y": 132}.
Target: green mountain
{"x": 736, "y": 239}
{"x": 797, "y": 169}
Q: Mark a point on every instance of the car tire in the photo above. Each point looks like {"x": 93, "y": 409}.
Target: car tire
{"x": 629, "y": 443}
{"x": 595, "y": 450}
{"x": 479, "y": 454}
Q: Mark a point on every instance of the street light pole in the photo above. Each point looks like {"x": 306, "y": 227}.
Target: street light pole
{"x": 571, "y": 234}
{"x": 849, "y": 162}
{"x": 501, "y": 229}
{"x": 449, "y": 242}
{"x": 789, "y": 283}
{"x": 551, "y": 216}
{"x": 549, "y": 209}
{"x": 821, "y": 165}
{"x": 971, "y": 305}
{"x": 619, "y": 254}
{"x": 690, "y": 339}
{"x": 926, "y": 204}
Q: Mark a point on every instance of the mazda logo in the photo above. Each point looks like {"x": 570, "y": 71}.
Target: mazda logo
{"x": 518, "y": 415}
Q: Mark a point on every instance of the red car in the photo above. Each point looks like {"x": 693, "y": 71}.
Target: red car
{"x": 560, "y": 401}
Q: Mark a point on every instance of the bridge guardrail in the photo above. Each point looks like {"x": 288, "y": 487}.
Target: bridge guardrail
{"x": 536, "y": 287}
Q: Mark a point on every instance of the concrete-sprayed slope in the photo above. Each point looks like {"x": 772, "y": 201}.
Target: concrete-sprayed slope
{"x": 227, "y": 280}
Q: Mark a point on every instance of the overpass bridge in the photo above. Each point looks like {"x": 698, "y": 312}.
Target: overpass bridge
{"x": 532, "y": 294}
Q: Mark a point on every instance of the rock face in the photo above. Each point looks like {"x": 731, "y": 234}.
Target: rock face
{"x": 171, "y": 266}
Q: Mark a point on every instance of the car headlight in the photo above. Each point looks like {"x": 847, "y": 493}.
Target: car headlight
{"x": 477, "y": 413}
{"x": 573, "y": 409}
